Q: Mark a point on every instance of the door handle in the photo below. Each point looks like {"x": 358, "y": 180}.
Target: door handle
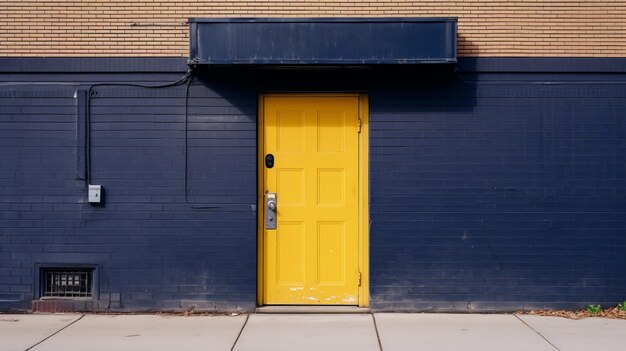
{"x": 270, "y": 211}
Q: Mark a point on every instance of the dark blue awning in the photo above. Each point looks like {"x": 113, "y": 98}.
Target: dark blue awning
{"x": 322, "y": 41}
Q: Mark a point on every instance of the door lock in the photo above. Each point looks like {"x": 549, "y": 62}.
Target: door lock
{"x": 270, "y": 211}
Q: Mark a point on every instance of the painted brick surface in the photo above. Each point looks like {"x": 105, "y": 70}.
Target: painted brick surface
{"x": 488, "y": 190}
{"x": 153, "y": 250}
{"x": 499, "y": 192}
{"x": 156, "y": 28}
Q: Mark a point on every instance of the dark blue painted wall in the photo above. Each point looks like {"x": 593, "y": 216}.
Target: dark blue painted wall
{"x": 495, "y": 188}
{"x": 153, "y": 250}
{"x": 501, "y": 191}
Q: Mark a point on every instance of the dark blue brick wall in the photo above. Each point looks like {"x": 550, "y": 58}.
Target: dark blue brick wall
{"x": 152, "y": 249}
{"x": 499, "y": 192}
{"x": 490, "y": 190}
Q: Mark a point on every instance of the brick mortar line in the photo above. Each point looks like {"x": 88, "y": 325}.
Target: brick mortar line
{"x": 55, "y": 333}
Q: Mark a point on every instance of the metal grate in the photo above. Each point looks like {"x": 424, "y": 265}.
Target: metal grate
{"x": 67, "y": 282}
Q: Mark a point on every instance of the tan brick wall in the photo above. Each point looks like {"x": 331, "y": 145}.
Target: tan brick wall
{"x": 486, "y": 27}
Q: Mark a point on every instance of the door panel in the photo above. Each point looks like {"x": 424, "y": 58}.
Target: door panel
{"x": 290, "y": 253}
{"x": 312, "y": 256}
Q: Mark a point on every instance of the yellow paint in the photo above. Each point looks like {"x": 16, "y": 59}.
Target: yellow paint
{"x": 316, "y": 253}
{"x": 364, "y": 219}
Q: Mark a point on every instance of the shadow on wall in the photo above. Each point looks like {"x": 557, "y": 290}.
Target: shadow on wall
{"x": 499, "y": 191}
{"x": 223, "y": 108}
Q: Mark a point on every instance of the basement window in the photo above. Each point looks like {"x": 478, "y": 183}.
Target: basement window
{"x": 67, "y": 283}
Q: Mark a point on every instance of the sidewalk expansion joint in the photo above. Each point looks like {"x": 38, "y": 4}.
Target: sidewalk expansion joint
{"x": 538, "y": 333}
{"x": 380, "y": 344}
{"x": 55, "y": 333}
{"x": 240, "y": 331}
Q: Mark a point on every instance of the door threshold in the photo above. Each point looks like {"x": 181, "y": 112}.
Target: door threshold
{"x": 305, "y": 309}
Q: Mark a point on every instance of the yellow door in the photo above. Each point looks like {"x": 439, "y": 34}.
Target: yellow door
{"x": 312, "y": 255}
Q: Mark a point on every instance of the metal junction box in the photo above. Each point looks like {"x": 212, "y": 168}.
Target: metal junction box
{"x": 95, "y": 194}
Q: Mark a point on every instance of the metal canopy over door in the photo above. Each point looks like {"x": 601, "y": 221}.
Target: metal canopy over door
{"x": 322, "y": 41}
{"x": 310, "y": 189}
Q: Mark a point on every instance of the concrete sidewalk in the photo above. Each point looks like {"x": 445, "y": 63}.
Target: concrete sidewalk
{"x": 327, "y": 332}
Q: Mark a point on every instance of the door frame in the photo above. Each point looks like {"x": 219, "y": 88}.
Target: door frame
{"x": 363, "y": 191}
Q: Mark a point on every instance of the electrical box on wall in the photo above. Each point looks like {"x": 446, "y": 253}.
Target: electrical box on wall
{"x": 95, "y": 194}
